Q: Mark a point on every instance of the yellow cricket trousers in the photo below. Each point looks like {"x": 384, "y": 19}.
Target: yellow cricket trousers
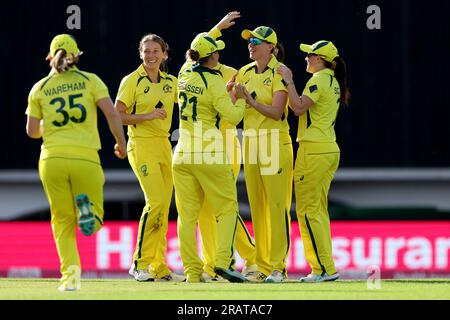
{"x": 315, "y": 167}
{"x": 64, "y": 176}
{"x": 194, "y": 184}
{"x": 268, "y": 166}
{"x": 244, "y": 243}
{"x": 151, "y": 161}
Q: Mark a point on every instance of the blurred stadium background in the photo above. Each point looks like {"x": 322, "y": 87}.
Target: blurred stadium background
{"x": 390, "y": 201}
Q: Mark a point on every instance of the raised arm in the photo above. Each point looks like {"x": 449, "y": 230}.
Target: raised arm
{"x": 226, "y": 22}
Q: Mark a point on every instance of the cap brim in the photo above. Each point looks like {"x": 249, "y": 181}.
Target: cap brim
{"x": 306, "y": 48}
{"x": 247, "y": 34}
{"x": 220, "y": 45}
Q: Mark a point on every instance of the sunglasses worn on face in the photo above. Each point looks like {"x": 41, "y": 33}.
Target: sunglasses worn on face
{"x": 255, "y": 41}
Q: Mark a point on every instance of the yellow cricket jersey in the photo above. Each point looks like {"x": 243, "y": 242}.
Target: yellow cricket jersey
{"x": 226, "y": 72}
{"x": 67, "y": 104}
{"x": 317, "y": 124}
{"x": 141, "y": 96}
{"x": 262, "y": 87}
{"x": 203, "y": 100}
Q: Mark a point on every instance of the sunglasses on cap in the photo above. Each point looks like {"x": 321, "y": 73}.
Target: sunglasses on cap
{"x": 255, "y": 41}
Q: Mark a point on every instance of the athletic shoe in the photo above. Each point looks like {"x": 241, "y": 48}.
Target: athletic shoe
{"x": 250, "y": 269}
{"x": 131, "y": 271}
{"x": 230, "y": 275}
{"x": 319, "y": 278}
{"x": 276, "y": 276}
{"x": 256, "y": 277}
{"x": 205, "y": 277}
{"x": 172, "y": 277}
{"x": 69, "y": 287}
{"x": 86, "y": 219}
{"x": 141, "y": 275}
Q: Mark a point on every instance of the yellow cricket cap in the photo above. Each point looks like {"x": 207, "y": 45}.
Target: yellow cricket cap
{"x": 65, "y": 42}
{"x": 263, "y": 33}
{"x": 205, "y": 45}
{"x": 323, "y": 48}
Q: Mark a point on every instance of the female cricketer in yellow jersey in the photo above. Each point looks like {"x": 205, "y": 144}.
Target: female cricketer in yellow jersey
{"x": 268, "y": 155}
{"x": 201, "y": 171}
{"x": 145, "y": 101}
{"x": 62, "y": 109}
{"x": 318, "y": 153}
{"x": 207, "y": 222}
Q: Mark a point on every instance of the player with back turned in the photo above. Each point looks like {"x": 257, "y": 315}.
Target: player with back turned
{"x": 200, "y": 173}
{"x": 62, "y": 110}
{"x": 244, "y": 242}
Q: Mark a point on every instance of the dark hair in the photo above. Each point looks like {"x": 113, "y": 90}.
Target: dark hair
{"x": 340, "y": 72}
{"x": 164, "y": 47}
{"x": 60, "y": 62}
{"x": 278, "y": 51}
{"x": 194, "y": 56}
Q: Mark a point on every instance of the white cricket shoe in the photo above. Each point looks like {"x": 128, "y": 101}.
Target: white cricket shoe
{"x": 276, "y": 277}
{"x": 172, "y": 277}
{"x": 311, "y": 278}
{"x": 250, "y": 269}
{"x": 141, "y": 275}
{"x": 69, "y": 287}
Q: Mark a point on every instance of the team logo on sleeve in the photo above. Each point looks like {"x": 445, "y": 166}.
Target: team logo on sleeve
{"x": 167, "y": 88}
{"x": 313, "y": 88}
{"x": 144, "y": 170}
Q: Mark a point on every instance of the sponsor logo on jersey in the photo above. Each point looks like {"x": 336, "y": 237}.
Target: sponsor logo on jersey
{"x": 167, "y": 88}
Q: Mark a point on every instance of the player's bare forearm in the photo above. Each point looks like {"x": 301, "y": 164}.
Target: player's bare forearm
{"x": 35, "y": 129}
{"x": 268, "y": 111}
{"x": 298, "y": 104}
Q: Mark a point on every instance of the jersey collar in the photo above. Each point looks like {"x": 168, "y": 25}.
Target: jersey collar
{"x": 72, "y": 68}
{"x": 143, "y": 73}
{"x": 325, "y": 71}
{"x": 270, "y": 66}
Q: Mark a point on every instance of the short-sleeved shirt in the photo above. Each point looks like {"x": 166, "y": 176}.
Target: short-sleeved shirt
{"x": 262, "y": 86}
{"x": 142, "y": 96}
{"x": 66, "y": 102}
{"x": 317, "y": 124}
{"x": 203, "y": 99}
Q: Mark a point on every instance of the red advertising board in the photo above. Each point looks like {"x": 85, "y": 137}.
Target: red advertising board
{"x": 397, "y": 248}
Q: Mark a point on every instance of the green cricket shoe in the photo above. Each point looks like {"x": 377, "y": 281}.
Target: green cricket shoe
{"x": 230, "y": 275}
{"x": 86, "y": 219}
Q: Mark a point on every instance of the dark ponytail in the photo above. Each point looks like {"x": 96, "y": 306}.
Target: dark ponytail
{"x": 194, "y": 56}
{"x": 340, "y": 72}
{"x": 60, "y": 62}
{"x": 278, "y": 52}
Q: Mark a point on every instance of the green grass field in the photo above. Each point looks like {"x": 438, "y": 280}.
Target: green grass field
{"x": 123, "y": 289}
